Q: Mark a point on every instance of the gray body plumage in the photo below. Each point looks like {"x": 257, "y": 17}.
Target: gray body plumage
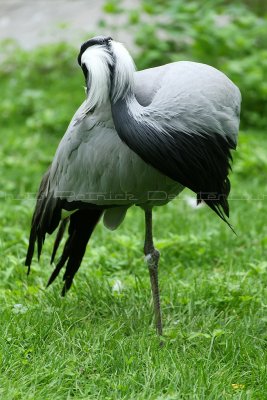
{"x": 138, "y": 138}
{"x": 93, "y": 165}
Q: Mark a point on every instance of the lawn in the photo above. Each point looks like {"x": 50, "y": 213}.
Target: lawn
{"x": 99, "y": 342}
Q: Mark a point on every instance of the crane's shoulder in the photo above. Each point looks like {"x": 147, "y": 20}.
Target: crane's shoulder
{"x": 184, "y": 78}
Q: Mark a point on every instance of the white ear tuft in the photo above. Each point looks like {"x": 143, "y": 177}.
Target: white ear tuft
{"x": 123, "y": 79}
{"x": 97, "y": 61}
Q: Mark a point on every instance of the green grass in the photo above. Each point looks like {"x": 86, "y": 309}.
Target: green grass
{"x": 99, "y": 344}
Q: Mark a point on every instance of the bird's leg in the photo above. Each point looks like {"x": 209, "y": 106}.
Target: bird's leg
{"x": 152, "y": 258}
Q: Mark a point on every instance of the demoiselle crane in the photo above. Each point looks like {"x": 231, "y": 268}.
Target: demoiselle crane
{"x": 139, "y": 138}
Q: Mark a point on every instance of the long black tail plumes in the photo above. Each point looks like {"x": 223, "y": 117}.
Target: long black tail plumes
{"x": 81, "y": 227}
{"x": 47, "y": 217}
{"x": 60, "y": 233}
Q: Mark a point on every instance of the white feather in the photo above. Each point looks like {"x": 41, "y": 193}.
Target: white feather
{"x": 97, "y": 60}
{"x": 123, "y": 81}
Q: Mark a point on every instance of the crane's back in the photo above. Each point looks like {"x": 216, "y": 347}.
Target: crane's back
{"x": 196, "y": 96}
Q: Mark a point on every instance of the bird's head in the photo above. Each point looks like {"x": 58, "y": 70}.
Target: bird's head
{"x": 108, "y": 69}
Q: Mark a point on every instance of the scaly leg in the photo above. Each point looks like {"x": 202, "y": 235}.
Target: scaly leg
{"x": 152, "y": 257}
